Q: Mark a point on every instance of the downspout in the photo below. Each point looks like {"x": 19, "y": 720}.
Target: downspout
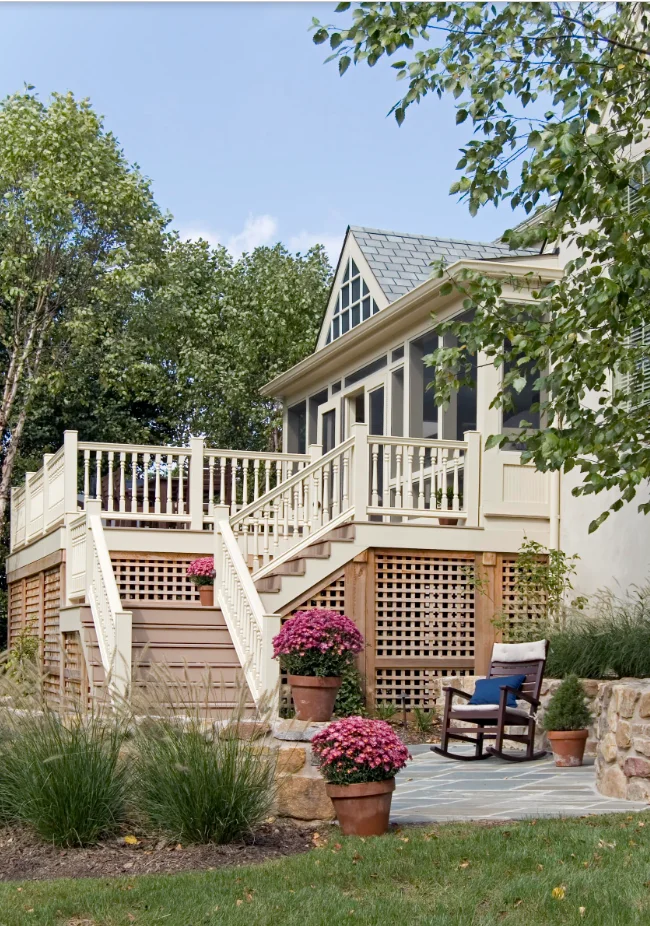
{"x": 554, "y": 526}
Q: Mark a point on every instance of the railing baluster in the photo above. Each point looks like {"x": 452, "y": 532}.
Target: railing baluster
{"x": 111, "y": 487}
{"x": 374, "y": 482}
{"x": 210, "y": 482}
{"x": 122, "y": 481}
{"x": 267, "y": 476}
{"x": 134, "y": 482}
{"x": 421, "y": 499}
{"x": 456, "y": 505}
{"x": 233, "y": 486}
{"x": 398, "y": 477}
{"x": 385, "y": 494}
{"x": 326, "y": 493}
{"x": 98, "y": 475}
{"x": 244, "y": 501}
{"x": 409, "y": 475}
{"x": 222, "y": 481}
{"x": 181, "y": 485}
{"x": 256, "y": 479}
{"x": 346, "y": 480}
{"x": 170, "y": 484}
{"x": 86, "y": 476}
{"x": 156, "y": 500}
{"x": 336, "y": 487}
{"x": 145, "y": 483}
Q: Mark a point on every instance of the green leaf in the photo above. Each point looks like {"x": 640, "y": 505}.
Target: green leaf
{"x": 344, "y": 64}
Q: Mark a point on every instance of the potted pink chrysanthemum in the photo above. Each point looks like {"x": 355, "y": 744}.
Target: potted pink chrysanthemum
{"x": 316, "y": 647}
{"x": 359, "y": 759}
{"x": 201, "y": 572}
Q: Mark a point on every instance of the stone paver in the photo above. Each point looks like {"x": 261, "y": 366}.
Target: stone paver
{"x": 433, "y": 788}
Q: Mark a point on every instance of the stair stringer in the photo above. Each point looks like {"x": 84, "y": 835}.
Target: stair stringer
{"x": 297, "y": 587}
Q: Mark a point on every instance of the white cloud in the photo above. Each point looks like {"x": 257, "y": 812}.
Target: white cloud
{"x": 257, "y": 230}
{"x": 304, "y": 240}
{"x": 194, "y": 233}
{"x": 260, "y": 230}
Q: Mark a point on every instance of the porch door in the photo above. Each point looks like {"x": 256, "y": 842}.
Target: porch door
{"x": 328, "y": 425}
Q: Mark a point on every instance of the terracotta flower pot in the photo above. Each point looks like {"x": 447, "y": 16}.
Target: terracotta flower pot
{"x": 568, "y": 746}
{"x": 362, "y": 809}
{"x": 206, "y": 594}
{"x": 448, "y": 522}
{"x": 314, "y": 697}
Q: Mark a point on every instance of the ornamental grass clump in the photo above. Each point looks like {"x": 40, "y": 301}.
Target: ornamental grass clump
{"x": 567, "y": 709}
{"x": 317, "y": 643}
{"x": 63, "y": 775}
{"x": 357, "y": 749}
{"x": 201, "y": 571}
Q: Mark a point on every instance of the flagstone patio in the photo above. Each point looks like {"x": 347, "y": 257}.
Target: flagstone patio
{"x": 435, "y": 789}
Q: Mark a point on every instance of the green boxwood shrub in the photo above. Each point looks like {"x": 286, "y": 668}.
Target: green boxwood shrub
{"x": 567, "y": 709}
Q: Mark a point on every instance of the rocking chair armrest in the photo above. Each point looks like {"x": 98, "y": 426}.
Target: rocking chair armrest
{"x": 506, "y": 690}
{"x": 451, "y": 691}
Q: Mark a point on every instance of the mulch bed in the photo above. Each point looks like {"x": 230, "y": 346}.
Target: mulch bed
{"x": 25, "y": 857}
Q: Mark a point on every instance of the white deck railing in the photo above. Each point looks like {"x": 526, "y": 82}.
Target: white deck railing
{"x": 142, "y": 485}
{"x": 417, "y": 478}
{"x": 313, "y": 498}
{"x": 251, "y": 630}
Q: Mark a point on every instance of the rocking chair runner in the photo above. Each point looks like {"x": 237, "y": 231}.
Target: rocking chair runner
{"x": 527, "y": 659}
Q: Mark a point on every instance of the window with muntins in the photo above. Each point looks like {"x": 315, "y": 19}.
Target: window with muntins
{"x": 354, "y": 303}
{"x": 636, "y": 384}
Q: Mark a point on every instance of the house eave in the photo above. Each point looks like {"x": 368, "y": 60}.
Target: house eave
{"x": 379, "y": 326}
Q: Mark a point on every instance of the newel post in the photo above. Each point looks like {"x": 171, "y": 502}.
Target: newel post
{"x": 315, "y": 452}
{"x": 359, "y": 471}
{"x": 219, "y": 513}
{"x": 70, "y": 462}
{"x": 472, "y": 478}
{"x": 197, "y": 450}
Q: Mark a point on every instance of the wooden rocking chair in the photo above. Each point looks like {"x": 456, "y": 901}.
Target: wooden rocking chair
{"x": 527, "y": 659}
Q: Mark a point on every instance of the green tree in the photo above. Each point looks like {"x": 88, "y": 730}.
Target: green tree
{"x": 558, "y": 96}
{"x": 79, "y": 233}
{"x": 216, "y": 330}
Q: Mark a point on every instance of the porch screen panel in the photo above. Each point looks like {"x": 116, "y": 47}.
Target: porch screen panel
{"x": 424, "y": 623}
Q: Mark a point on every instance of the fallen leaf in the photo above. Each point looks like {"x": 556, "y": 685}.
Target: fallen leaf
{"x": 239, "y": 901}
{"x": 464, "y": 864}
{"x": 582, "y": 910}
{"x": 606, "y": 845}
{"x": 558, "y": 893}
{"x": 131, "y": 840}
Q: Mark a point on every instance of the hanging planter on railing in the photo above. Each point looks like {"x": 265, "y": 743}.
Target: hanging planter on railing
{"x": 201, "y": 573}
{"x": 316, "y": 647}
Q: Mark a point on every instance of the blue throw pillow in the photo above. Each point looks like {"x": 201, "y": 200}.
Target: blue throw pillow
{"x": 488, "y": 690}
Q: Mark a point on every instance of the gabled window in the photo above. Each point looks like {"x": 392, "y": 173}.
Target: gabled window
{"x": 354, "y": 303}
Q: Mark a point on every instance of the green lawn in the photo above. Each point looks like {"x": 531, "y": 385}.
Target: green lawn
{"x": 458, "y": 875}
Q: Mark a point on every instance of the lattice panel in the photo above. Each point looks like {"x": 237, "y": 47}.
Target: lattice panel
{"x": 424, "y": 606}
{"x": 16, "y": 610}
{"x": 153, "y": 577}
{"x": 51, "y": 639}
{"x": 521, "y": 613}
{"x": 74, "y": 686}
{"x": 410, "y": 687}
{"x": 33, "y": 602}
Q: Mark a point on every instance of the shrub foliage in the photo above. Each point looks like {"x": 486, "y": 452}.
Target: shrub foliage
{"x": 200, "y": 788}
{"x": 567, "y": 709}
{"x": 64, "y": 776}
{"x": 614, "y": 643}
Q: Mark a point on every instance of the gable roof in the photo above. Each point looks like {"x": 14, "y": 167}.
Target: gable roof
{"x": 400, "y": 262}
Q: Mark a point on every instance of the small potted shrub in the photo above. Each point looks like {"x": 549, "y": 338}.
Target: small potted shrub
{"x": 316, "y": 647}
{"x": 566, "y": 720}
{"x": 359, "y": 759}
{"x": 201, "y": 573}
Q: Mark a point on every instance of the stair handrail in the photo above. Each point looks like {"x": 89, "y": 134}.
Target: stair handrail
{"x": 113, "y": 625}
{"x": 251, "y": 629}
{"x": 282, "y": 487}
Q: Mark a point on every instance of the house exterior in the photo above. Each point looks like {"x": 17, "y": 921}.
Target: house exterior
{"x": 381, "y": 505}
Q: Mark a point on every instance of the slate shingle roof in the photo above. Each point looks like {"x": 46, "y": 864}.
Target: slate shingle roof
{"x": 400, "y": 262}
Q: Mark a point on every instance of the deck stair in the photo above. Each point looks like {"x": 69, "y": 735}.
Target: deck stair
{"x": 190, "y": 641}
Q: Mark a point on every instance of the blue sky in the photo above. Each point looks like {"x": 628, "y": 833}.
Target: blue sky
{"x": 248, "y": 137}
